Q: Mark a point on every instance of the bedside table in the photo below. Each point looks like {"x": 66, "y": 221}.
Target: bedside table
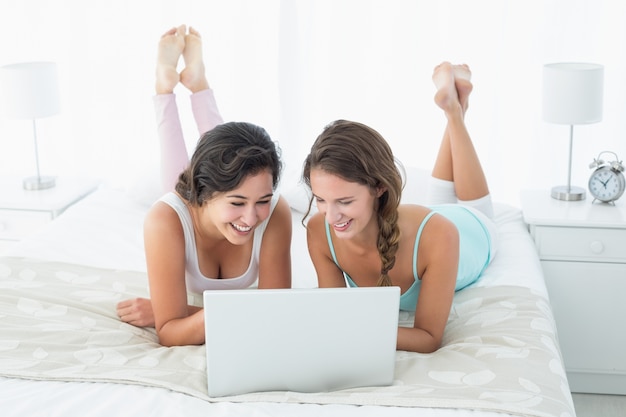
{"x": 582, "y": 248}
{"x": 23, "y": 212}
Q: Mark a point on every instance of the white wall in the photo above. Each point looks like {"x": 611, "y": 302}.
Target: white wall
{"x": 293, "y": 66}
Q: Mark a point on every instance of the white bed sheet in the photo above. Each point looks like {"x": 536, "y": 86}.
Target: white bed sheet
{"x": 104, "y": 230}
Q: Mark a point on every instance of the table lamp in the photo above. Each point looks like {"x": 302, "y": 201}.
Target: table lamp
{"x": 30, "y": 90}
{"x": 572, "y": 95}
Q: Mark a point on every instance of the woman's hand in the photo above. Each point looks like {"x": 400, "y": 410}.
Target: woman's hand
{"x": 136, "y": 311}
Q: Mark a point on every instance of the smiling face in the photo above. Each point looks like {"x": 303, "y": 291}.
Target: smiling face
{"x": 236, "y": 213}
{"x": 349, "y": 207}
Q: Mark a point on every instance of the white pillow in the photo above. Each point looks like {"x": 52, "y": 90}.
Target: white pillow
{"x": 145, "y": 187}
{"x": 416, "y": 187}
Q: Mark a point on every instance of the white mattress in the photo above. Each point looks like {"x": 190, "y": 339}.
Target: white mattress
{"x": 105, "y": 230}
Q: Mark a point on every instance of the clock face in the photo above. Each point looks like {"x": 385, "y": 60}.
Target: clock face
{"x": 606, "y": 184}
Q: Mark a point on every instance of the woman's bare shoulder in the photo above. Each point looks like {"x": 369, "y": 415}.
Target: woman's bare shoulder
{"x": 316, "y": 231}
{"x": 315, "y": 224}
{"x": 161, "y": 217}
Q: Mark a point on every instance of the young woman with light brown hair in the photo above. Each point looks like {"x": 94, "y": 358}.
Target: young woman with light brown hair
{"x": 363, "y": 236}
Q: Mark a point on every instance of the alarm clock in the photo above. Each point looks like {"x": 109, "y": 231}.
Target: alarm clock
{"x": 606, "y": 183}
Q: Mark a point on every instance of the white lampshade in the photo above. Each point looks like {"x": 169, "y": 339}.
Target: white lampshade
{"x": 29, "y": 90}
{"x": 572, "y": 93}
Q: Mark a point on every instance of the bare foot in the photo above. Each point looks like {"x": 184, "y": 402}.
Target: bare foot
{"x": 462, "y": 81}
{"x": 170, "y": 48}
{"x": 446, "y": 97}
{"x": 193, "y": 76}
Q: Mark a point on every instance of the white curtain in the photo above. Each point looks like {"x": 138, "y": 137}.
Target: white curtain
{"x": 293, "y": 66}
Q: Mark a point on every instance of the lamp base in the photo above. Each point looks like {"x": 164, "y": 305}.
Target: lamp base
{"x": 563, "y": 192}
{"x": 38, "y": 183}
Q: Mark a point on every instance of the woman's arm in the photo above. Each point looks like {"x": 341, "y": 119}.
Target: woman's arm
{"x": 328, "y": 273}
{"x": 175, "y": 322}
{"x": 138, "y": 311}
{"x": 438, "y": 262}
{"x": 275, "y": 254}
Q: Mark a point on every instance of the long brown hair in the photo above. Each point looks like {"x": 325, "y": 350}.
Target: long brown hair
{"x": 357, "y": 153}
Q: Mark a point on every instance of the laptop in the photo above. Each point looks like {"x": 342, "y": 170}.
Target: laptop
{"x": 303, "y": 340}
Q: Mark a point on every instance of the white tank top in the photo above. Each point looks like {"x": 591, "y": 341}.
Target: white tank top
{"x": 196, "y": 282}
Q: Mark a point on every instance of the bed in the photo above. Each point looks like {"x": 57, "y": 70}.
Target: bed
{"x": 64, "y": 352}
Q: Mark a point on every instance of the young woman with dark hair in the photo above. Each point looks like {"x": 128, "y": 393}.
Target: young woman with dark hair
{"x": 220, "y": 225}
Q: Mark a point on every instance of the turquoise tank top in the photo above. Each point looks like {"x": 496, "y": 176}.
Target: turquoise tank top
{"x": 474, "y": 250}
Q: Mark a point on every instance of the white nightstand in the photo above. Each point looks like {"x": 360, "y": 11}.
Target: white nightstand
{"x": 23, "y": 212}
{"x": 582, "y": 247}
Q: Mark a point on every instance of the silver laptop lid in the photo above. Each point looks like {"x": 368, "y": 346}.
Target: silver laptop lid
{"x": 306, "y": 340}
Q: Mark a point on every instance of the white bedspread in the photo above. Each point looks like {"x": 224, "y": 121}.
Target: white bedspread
{"x": 58, "y": 322}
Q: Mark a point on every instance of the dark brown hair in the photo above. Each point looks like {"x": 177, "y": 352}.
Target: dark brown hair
{"x": 224, "y": 156}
